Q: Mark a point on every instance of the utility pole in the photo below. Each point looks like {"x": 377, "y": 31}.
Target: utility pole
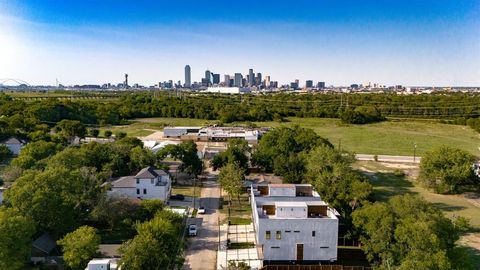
{"x": 194, "y": 190}
{"x": 414, "y": 151}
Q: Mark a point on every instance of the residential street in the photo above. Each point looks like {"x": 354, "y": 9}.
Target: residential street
{"x": 202, "y": 249}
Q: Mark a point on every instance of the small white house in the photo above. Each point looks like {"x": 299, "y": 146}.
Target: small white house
{"x": 14, "y": 144}
{"x": 103, "y": 264}
{"x": 149, "y": 183}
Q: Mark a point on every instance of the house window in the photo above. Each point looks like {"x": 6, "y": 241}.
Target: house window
{"x": 267, "y": 235}
{"x": 138, "y": 191}
{"x": 278, "y": 235}
{"x": 144, "y": 191}
{"x": 138, "y": 181}
{"x": 151, "y": 181}
{"x": 313, "y": 233}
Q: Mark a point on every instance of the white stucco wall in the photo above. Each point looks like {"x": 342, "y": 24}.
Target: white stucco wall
{"x": 322, "y": 246}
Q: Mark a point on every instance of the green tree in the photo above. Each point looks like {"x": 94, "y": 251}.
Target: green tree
{"x": 15, "y": 241}
{"x": 5, "y": 153}
{"x": 157, "y": 244}
{"x": 186, "y": 152}
{"x": 231, "y": 179}
{"x": 33, "y": 154}
{"x": 52, "y": 198}
{"x": 408, "y": 233}
{"x": 94, "y": 132}
{"x": 120, "y": 135}
{"x": 448, "y": 170}
{"x": 112, "y": 211}
{"x": 71, "y": 128}
{"x": 329, "y": 171}
{"x": 79, "y": 247}
{"x": 236, "y": 152}
{"x": 284, "y": 142}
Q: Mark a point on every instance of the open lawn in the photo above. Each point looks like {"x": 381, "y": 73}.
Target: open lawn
{"x": 186, "y": 190}
{"x": 240, "y": 210}
{"x": 394, "y": 137}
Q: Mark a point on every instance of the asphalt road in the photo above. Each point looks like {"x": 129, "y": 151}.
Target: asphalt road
{"x": 202, "y": 249}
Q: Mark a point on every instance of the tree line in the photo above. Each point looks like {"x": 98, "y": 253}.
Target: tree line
{"x": 457, "y": 108}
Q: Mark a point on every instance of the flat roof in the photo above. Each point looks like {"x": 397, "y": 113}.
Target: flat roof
{"x": 290, "y": 204}
{"x": 282, "y": 185}
{"x": 182, "y": 127}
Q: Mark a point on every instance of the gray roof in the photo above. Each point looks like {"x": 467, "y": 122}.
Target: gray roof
{"x": 124, "y": 182}
{"x": 44, "y": 243}
{"x": 149, "y": 172}
{"x": 11, "y": 140}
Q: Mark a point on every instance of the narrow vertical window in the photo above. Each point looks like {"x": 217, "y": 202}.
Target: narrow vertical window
{"x": 268, "y": 235}
{"x": 278, "y": 235}
{"x": 138, "y": 191}
{"x": 144, "y": 191}
{"x": 313, "y": 233}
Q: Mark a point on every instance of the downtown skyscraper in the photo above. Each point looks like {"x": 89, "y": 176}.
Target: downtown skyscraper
{"x": 188, "y": 77}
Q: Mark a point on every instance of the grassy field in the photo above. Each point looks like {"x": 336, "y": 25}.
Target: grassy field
{"x": 391, "y": 137}
{"x": 394, "y": 137}
{"x": 387, "y": 184}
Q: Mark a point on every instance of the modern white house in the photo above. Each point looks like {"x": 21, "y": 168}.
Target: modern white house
{"x": 14, "y": 144}
{"x": 293, "y": 224}
{"x": 149, "y": 183}
{"x": 103, "y": 264}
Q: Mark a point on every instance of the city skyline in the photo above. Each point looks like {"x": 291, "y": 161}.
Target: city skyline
{"x": 434, "y": 43}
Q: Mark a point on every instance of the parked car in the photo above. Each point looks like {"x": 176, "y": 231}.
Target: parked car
{"x": 201, "y": 210}
{"x": 192, "y": 230}
{"x": 178, "y": 197}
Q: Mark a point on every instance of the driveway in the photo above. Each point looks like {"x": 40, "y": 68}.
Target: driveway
{"x": 202, "y": 249}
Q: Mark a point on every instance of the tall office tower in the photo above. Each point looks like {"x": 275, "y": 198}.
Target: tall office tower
{"x": 216, "y": 78}
{"x": 231, "y": 82}
{"x": 188, "y": 77}
{"x": 309, "y": 84}
{"x": 238, "y": 80}
{"x": 208, "y": 76}
{"x": 258, "y": 79}
{"x": 226, "y": 80}
{"x": 297, "y": 82}
{"x": 321, "y": 85}
{"x": 126, "y": 81}
{"x": 274, "y": 84}
{"x": 251, "y": 77}
{"x": 267, "y": 81}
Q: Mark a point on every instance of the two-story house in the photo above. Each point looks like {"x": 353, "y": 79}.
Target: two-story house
{"x": 149, "y": 183}
{"x": 292, "y": 223}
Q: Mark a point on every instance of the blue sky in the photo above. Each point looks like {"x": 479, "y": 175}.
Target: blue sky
{"x": 341, "y": 42}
